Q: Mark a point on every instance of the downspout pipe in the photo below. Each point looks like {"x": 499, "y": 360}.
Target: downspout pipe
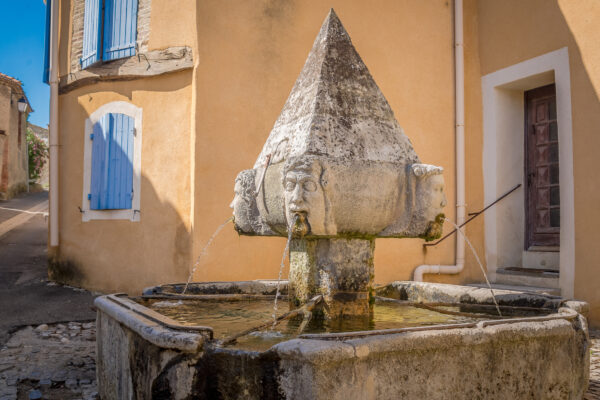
{"x": 53, "y": 134}
{"x": 459, "y": 68}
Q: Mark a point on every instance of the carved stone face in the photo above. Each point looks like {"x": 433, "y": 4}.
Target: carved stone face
{"x": 303, "y": 196}
{"x": 242, "y": 200}
{"x": 431, "y": 200}
{"x": 237, "y": 198}
{"x": 433, "y": 186}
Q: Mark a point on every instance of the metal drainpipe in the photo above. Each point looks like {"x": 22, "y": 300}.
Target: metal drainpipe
{"x": 53, "y": 135}
{"x": 460, "y": 152}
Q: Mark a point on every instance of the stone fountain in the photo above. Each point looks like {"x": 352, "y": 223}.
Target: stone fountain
{"x": 335, "y": 173}
{"x": 338, "y": 171}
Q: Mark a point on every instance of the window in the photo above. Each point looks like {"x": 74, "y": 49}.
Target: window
{"x": 109, "y": 30}
{"x": 112, "y": 163}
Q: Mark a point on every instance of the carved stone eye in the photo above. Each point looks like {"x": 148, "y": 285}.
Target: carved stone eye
{"x": 290, "y": 185}
{"x": 310, "y": 186}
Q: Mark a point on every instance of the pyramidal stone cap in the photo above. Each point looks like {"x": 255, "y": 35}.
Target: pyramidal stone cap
{"x": 336, "y": 110}
{"x": 337, "y": 162}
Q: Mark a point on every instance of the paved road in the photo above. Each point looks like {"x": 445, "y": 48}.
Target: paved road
{"x": 26, "y": 297}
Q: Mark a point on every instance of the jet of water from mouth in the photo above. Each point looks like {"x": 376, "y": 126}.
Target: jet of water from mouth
{"x": 285, "y": 251}
{"x": 203, "y": 252}
{"x": 479, "y": 262}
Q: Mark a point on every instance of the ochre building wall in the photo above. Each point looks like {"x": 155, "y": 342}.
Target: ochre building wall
{"x": 120, "y": 255}
{"x": 513, "y": 31}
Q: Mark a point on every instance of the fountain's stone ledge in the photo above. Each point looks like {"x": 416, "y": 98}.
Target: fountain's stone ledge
{"x": 142, "y": 354}
{"x": 256, "y": 287}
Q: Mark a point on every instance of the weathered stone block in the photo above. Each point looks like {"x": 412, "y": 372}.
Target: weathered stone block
{"x": 339, "y": 269}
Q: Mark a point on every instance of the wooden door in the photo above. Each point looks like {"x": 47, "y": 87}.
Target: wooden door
{"x": 542, "y": 203}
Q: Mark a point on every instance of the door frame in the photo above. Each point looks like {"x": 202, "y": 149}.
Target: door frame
{"x": 503, "y": 108}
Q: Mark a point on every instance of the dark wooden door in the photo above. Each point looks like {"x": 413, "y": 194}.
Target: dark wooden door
{"x": 541, "y": 168}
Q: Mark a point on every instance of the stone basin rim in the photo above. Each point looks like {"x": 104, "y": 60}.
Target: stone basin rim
{"x": 564, "y": 313}
{"x": 129, "y": 308}
{"x": 153, "y": 316}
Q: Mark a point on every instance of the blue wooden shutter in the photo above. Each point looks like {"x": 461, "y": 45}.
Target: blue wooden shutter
{"x": 100, "y": 138}
{"x": 112, "y": 163}
{"x": 120, "y": 29}
{"x": 46, "y": 77}
{"x": 91, "y": 33}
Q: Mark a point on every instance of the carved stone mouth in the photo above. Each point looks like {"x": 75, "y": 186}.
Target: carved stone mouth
{"x": 301, "y": 226}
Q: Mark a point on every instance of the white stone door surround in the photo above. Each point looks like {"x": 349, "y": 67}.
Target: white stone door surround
{"x": 503, "y": 158}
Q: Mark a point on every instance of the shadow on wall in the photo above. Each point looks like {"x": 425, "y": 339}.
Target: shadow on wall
{"x": 119, "y": 255}
{"x": 540, "y": 27}
{"x": 585, "y": 87}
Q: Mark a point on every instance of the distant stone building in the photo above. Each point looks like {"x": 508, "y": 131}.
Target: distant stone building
{"x": 14, "y": 109}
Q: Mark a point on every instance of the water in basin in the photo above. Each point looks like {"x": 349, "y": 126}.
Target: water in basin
{"x": 230, "y": 317}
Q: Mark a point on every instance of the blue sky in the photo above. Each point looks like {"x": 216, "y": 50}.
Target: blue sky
{"x": 22, "y": 30}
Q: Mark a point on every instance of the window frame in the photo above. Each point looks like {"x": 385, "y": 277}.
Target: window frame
{"x": 132, "y": 214}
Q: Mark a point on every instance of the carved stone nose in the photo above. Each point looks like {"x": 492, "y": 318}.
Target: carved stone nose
{"x": 297, "y": 195}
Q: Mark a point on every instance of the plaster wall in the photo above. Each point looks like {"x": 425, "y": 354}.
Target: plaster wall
{"x": 123, "y": 255}
{"x": 514, "y": 31}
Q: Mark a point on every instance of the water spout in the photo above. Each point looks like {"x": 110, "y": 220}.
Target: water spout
{"x": 285, "y": 251}
{"x": 479, "y": 262}
{"x": 203, "y": 252}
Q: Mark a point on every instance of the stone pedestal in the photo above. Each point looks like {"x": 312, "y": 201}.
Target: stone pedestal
{"x": 339, "y": 269}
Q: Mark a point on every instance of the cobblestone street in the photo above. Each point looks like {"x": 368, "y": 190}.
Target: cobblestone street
{"x": 50, "y": 362}
{"x": 57, "y": 362}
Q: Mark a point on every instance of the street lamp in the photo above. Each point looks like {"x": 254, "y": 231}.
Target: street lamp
{"x": 22, "y": 104}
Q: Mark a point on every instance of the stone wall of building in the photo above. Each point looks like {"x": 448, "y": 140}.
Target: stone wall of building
{"x": 4, "y": 137}
{"x": 13, "y": 150}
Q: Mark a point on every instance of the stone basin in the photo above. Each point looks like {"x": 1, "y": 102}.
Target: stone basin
{"x": 143, "y": 354}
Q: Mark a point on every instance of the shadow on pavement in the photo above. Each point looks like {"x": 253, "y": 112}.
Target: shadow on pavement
{"x": 26, "y": 297}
